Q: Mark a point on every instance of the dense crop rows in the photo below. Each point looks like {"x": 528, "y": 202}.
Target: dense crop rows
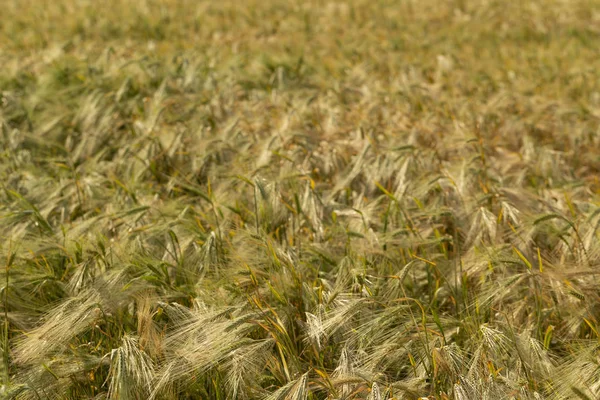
{"x": 300, "y": 200}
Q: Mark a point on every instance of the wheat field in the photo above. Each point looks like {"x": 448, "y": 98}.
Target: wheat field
{"x": 362, "y": 199}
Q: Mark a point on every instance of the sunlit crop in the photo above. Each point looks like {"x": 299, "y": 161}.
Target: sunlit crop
{"x": 362, "y": 199}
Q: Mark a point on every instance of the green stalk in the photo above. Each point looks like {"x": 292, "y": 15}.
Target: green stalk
{"x": 9, "y": 261}
{"x": 256, "y": 211}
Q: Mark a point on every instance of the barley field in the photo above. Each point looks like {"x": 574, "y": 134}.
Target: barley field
{"x": 269, "y": 199}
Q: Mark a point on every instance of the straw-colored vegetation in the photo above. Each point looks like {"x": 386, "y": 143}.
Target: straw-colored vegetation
{"x": 270, "y": 199}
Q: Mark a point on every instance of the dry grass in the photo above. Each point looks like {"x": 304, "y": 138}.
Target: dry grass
{"x": 325, "y": 200}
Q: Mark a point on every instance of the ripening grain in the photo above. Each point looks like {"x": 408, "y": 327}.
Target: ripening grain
{"x": 300, "y": 200}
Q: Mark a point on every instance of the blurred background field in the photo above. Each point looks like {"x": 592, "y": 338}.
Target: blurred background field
{"x": 300, "y": 200}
